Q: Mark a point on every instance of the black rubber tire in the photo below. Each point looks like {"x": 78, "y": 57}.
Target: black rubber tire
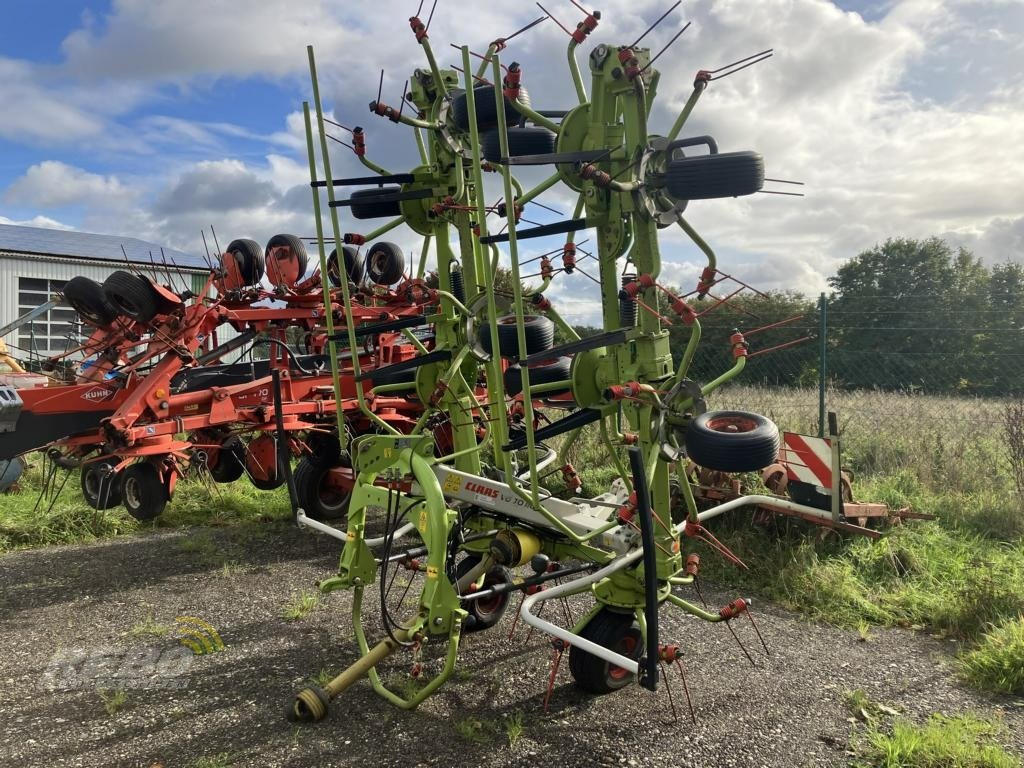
{"x": 368, "y": 207}
{"x": 730, "y": 174}
{"x": 131, "y": 295}
{"x": 486, "y": 109}
{"x": 317, "y": 502}
{"x": 295, "y": 244}
{"x": 385, "y": 263}
{"x": 87, "y": 298}
{"x": 539, "y": 331}
{"x": 484, "y": 612}
{"x": 546, "y": 372}
{"x": 354, "y": 266}
{"x": 397, "y": 377}
{"x": 530, "y": 140}
{"x": 275, "y": 482}
{"x": 230, "y": 464}
{"x": 249, "y": 256}
{"x": 142, "y": 491}
{"x": 614, "y": 630}
{"x": 100, "y": 489}
{"x": 732, "y": 441}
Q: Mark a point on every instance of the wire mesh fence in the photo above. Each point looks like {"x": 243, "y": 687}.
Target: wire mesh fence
{"x": 919, "y": 386}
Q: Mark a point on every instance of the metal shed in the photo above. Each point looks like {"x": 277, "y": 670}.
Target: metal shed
{"x": 37, "y": 262}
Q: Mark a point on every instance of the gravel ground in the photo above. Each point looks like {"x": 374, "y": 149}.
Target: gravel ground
{"x": 787, "y": 711}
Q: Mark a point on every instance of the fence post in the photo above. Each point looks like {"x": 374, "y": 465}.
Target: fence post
{"x": 822, "y": 362}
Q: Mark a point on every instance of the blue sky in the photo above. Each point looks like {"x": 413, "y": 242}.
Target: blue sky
{"x": 155, "y": 120}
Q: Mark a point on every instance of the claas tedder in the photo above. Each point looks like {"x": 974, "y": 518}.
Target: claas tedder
{"x": 509, "y": 387}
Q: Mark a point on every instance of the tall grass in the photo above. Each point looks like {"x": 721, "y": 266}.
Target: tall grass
{"x": 26, "y": 520}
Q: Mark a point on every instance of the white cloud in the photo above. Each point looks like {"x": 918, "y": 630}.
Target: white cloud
{"x": 36, "y": 221}
{"x": 52, "y": 184}
{"x": 910, "y": 125}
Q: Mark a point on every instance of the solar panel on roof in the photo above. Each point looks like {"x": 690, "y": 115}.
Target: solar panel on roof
{"x": 58, "y": 242}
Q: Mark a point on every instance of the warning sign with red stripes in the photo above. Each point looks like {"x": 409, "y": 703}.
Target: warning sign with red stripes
{"x": 807, "y": 459}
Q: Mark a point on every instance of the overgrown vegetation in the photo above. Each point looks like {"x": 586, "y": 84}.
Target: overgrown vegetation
{"x": 300, "y": 606}
{"x": 24, "y": 523}
{"x": 997, "y": 662}
{"x": 942, "y": 742}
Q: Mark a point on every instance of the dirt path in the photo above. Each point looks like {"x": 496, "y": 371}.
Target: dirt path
{"x": 788, "y": 711}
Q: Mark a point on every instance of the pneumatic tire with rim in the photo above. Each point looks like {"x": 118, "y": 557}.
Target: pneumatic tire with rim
{"x": 730, "y": 174}
{"x": 142, "y": 491}
{"x": 87, "y": 298}
{"x": 544, "y": 372}
{"x": 294, "y": 244}
{"x": 101, "y": 487}
{"x": 486, "y": 109}
{"x": 319, "y": 500}
{"x": 385, "y": 263}
{"x": 131, "y": 295}
{"x": 732, "y": 441}
{"x": 484, "y": 612}
{"x": 230, "y": 463}
{"x": 538, "y": 330}
{"x": 367, "y": 205}
{"x": 530, "y": 140}
{"x": 249, "y": 256}
{"x": 353, "y": 266}
{"x": 613, "y": 630}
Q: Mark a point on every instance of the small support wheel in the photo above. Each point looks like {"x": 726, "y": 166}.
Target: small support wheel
{"x": 317, "y": 497}
{"x": 616, "y": 631}
{"x": 249, "y": 256}
{"x": 484, "y": 612}
{"x": 143, "y": 492}
{"x": 229, "y": 464}
{"x": 537, "y": 329}
{"x": 732, "y": 441}
{"x": 311, "y": 705}
{"x": 385, "y": 263}
{"x": 86, "y": 297}
{"x": 131, "y": 295}
{"x": 353, "y": 266}
{"x": 101, "y": 486}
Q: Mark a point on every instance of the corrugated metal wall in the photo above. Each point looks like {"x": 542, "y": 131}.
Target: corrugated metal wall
{"x": 14, "y": 266}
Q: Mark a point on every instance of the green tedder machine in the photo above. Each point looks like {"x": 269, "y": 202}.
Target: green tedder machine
{"x": 508, "y": 387}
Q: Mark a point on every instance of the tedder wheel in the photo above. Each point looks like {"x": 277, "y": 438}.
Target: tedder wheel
{"x": 86, "y": 297}
{"x": 320, "y": 500}
{"x": 142, "y": 491}
{"x": 295, "y": 245}
{"x": 484, "y": 612}
{"x": 353, "y": 266}
{"x": 613, "y": 630}
{"x": 385, "y": 263}
{"x": 249, "y": 256}
{"x": 486, "y": 109}
{"x": 521, "y": 141}
{"x": 539, "y": 331}
{"x": 732, "y": 441}
{"x": 229, "y": 465}
{"x": 274, "y": 481}
{"x": 366, "y": 205}
{"x": 131, "y": 295}
{"x": 703, "y": 177}
{"x": 101, "y": 486}
{"x": 545, "y": 372}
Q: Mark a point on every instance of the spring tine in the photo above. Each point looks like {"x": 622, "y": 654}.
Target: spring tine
{"x": 773, "y": 192}
{"x": 737, "y": 639}
{"x": 419, "y": 10}
{"x": 785, "y": 181}
{"x": 546, "y": 11}
{"x": 748, "y": 64}
{"x": 531, "y": 25}
{"x": 740, "y": 61}
{"x": 686, "y": 688}
{"x": 758, "y": 631}
{"x": 380, "y": 86}
{"x": 547, "y": 207}
{"x": 668, "y": 690}
{"x": 430, "y": 18}
{"x": 661, "y": 18}
{"x": 667, "y": 46}
{"x": 700, "y": 594}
